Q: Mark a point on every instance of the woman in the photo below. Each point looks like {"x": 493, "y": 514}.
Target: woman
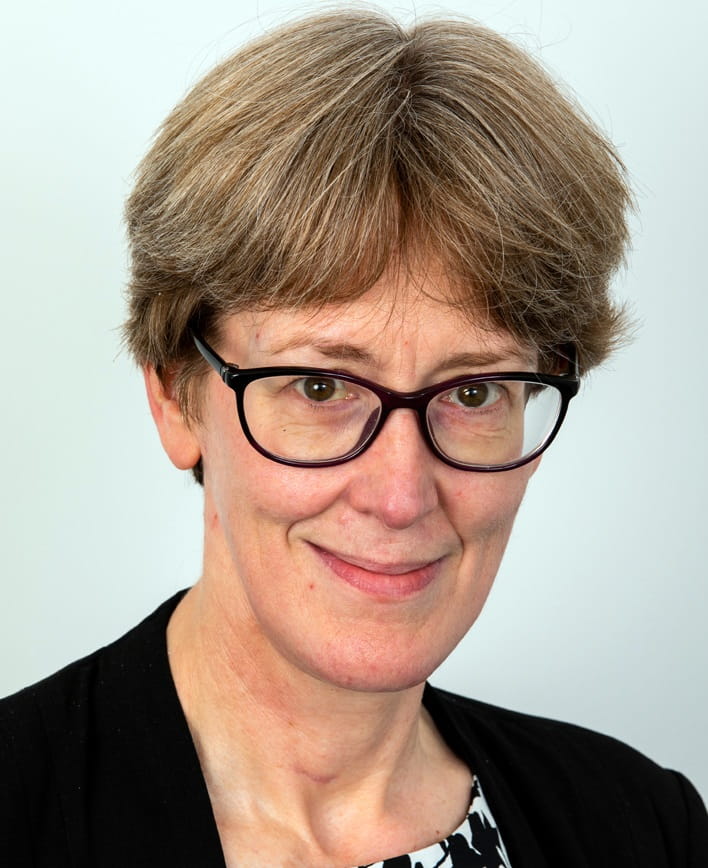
{"x": 394, "y": 247}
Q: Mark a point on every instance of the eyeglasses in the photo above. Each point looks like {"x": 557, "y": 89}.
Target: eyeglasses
{"x": 311, "y": 417}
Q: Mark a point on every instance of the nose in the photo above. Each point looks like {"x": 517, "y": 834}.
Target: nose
{"x": 395, "y": 478}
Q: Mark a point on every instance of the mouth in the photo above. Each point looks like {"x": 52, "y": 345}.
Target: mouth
{"x": 396, "y": 580}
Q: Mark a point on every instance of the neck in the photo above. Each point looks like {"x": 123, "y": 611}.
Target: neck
{"x": 295, "y": 764}
{"x": 255, "y": 716}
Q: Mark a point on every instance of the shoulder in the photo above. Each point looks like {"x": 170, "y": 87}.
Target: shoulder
{"x": 58, "y": 735}
{"x": 530, "y": 736}
{"x": 561, "y": 772}
{"x": 538, "y": 743}
{"x": 38, "y": 764}
{"x": 64, "y": 698}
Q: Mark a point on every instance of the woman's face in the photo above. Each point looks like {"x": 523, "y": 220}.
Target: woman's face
{"x": 367, "y": 574}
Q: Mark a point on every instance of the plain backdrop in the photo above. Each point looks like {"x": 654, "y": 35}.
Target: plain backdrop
{"x": 599, "y": 612}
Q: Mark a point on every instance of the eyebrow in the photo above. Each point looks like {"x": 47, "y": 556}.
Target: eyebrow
{"x": 346, "y": 352}
{"x": 508, "y": 358}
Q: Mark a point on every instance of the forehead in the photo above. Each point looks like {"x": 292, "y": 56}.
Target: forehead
{"x": 405, "y": 325}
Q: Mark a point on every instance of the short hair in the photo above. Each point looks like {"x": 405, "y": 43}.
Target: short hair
{"x": 301, "y": 167}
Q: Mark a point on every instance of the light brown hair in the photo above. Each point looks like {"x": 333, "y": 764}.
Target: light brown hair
{"x": 296, "y": 171}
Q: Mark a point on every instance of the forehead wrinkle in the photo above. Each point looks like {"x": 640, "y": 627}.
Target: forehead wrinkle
{"x": 391, "y": 332}
{"x": 504, "y": 357}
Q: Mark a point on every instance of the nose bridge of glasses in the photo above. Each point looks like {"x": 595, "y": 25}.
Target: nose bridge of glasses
{"x": 417, "y": 402}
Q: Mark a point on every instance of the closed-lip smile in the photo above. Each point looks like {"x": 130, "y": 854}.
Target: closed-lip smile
{"x": 386, "y": 580}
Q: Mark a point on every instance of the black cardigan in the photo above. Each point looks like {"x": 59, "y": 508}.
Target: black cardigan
{"x": 98, "y": 770}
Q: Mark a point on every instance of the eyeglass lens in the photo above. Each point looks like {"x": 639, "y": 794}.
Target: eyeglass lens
{"x": 319, "y": 418}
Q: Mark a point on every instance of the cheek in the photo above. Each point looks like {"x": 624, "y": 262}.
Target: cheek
{"x": 246, "y": 492}
{"x": 486, "y": 506}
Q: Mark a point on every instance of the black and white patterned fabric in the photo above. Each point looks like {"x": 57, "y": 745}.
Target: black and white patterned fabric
{"x": 474, "y": 844}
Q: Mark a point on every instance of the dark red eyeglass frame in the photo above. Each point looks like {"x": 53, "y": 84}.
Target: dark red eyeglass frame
{"x": 238, "y": 378}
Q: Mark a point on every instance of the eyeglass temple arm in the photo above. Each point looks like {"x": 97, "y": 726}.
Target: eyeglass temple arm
{"x": 570, "y": 354}
{"x": 212, "y": 357}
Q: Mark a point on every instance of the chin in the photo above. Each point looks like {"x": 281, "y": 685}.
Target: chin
{"x": 378, "y": 671}
{"x": 376, "y": 682}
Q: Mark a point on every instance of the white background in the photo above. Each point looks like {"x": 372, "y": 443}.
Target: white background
{"x": 599, "y": 613}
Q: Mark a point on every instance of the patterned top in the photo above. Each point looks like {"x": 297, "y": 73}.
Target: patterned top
{"x": 474, "y": 844}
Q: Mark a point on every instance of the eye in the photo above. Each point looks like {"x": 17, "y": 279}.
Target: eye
{"x": 321, "y": 389}
{"x": 475, "y": 395}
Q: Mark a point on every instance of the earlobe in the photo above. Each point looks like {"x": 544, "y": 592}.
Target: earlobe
{"x": 177, "y": 437}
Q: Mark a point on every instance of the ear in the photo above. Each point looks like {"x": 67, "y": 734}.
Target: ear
{"x": 177, "y": 437}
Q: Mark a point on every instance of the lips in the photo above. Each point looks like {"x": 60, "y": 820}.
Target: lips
{"x": 393, "y": 580}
